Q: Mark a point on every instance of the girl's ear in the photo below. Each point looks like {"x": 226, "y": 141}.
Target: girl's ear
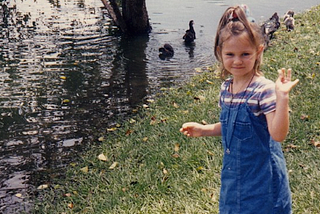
{"x": 260, "y": 49}
{"x": 219, "y": 54}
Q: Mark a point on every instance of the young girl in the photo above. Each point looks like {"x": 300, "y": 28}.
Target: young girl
{"x": 254, "y": 119}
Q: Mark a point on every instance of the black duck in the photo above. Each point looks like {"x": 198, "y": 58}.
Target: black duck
{"x": 166, "y": 51}
{"x": 190, "y": 34}
{"x": 270, "y": 27}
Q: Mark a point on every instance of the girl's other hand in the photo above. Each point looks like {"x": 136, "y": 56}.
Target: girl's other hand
{"x": 192, "y": 129}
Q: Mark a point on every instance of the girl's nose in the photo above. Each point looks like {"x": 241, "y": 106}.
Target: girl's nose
{"x": 237, "y": 61}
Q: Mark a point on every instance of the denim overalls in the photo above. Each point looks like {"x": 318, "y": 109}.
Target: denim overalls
{"x": 253, "y": 177}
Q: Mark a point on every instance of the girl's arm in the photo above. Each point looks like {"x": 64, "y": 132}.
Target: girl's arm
{"x": 192, "y": 129}
{"x": 278, "y": 121}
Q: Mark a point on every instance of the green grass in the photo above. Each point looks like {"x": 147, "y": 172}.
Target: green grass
{"x": 161, "y": 171}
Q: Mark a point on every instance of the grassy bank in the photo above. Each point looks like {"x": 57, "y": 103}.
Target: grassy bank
{"x": 146, "y": 166}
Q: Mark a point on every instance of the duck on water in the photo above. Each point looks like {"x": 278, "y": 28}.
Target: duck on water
{"x": 190, "y": 34}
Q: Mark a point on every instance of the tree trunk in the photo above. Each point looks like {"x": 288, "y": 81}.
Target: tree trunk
{"x": 115, "y": 14}
{"x": 134, "y": 19}
{"x": 135, "y": 15}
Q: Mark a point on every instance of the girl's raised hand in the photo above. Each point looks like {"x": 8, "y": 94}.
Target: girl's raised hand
{"x": 284, "y": 83}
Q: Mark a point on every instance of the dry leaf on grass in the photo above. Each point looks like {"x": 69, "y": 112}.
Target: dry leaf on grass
{"x": 102, "y": 157}
{"x": 114, "y": 165}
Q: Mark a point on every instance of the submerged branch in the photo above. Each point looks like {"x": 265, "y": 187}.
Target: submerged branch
{"x": 115, "y": 14}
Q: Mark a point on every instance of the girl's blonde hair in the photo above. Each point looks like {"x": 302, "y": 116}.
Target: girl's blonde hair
{"x": 234, "y": 23}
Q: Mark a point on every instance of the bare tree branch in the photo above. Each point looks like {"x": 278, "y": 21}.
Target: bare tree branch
{"x": 115, "y": 14}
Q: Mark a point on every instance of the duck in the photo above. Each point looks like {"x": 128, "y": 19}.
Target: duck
{"x": 270, "y": 27}
{"x": 166, "y": 51}
{"x": 289, "y": 20}
{"x": 190, "y": 34}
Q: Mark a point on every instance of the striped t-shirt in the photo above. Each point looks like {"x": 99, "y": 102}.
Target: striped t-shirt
{"x": 262, "y": 101}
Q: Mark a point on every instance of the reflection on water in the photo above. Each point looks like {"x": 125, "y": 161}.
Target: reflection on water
{"x": 63, "y": 80}
{"x": 65, "y": 76}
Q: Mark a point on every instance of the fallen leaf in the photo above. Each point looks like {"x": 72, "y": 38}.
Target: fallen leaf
{"x": 315, "y": 143}
{"x": 199, "y": 70}
{"x": 165, "y": 177}
{"x": 114, "y": 165}
{"x": 175, "y": 155}
{"x": 165, "y": 171}
{"x": 131, "y": 121}
{"x": 67, "y": 195}
{"x": 175, "y": 105}
{"x": 135, "y": 110}
{"x": 204, "y": 122}
{"x": 102, "y": 157}
{"x": 213, "y": 197}
{"x": 209, "y": 82}
{"x": 210, "y": 153}
{"x": 200, "y": 98}
{"x": 153, "y": 122}
{"x": 145, "y": 139}
{"x": 73, "y": 164}
{"x": 200, "y": 168}
{"x": 111, "y": 129}
{"x": 302, "y": 165}
{"x": 84, "y": 169}
{"x": 164, "y": 120}
{"x": 291, "y": 146}
{"x": 43, "y": 186}
{"x": 176, "y": 147}
{"x": 128, "y": 132}
{"x": 204, "y": 190}
{"x": 19, "y": 195}
{"x": 101, "y": 139}
{"x": 63, "y": 77}
{"x": 304, "y": 117}
{"x": 70, "y": 205}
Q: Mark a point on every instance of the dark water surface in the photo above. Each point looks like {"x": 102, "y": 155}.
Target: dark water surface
{"x": 65, "y": 76}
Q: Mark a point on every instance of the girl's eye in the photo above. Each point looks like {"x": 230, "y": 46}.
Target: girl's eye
{"x": 229, "y": 54}
{"x": 246, "y": 54}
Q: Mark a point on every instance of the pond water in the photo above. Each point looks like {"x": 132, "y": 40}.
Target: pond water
{"x": 66, "y": 75}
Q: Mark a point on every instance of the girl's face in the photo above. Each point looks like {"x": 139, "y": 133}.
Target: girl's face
{"x": 239, "y": 55}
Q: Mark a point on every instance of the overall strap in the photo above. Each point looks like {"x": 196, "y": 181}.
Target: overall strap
{"x": 223, "y": 94}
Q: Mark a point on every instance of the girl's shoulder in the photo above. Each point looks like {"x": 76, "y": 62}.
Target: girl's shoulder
{"x": 262, "y": 81}
{"x": 226, "y": 83}
{"x": 262, "y": 84}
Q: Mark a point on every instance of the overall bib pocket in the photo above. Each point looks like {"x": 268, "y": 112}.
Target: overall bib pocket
{"x": 242, "y": 131}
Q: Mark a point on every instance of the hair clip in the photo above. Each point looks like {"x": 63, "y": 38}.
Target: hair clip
{"x": 233, "y": 17}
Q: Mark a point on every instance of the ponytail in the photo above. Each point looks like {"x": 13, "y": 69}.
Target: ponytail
{"x": 233, "y": 23}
